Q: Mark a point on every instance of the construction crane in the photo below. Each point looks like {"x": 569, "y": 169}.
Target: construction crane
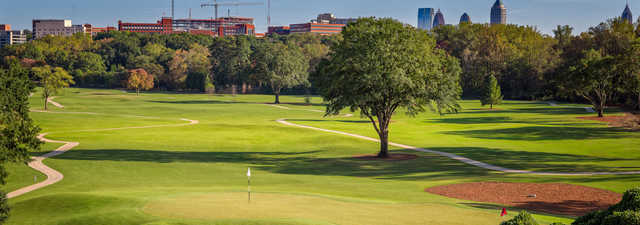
{"x": 216, "y": 5}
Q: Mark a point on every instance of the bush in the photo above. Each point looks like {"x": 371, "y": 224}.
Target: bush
{"x": 4, "y": 207}
{"x": 626, "y": 212}
{"x": 630, "y": 201}
{"x": 627, "y": 218}
{"x": 523, "y": 218}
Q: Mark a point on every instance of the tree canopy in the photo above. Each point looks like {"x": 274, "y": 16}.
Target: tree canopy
{"x": 382, "y": 65}
{"x": 139, "y": 79}
{"x": 18, "y": 133}
{"x": 281, "y": 66}
{"x": 52, "y": 80}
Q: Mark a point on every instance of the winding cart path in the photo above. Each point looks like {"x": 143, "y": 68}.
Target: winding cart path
{"x": 54, "y": 176}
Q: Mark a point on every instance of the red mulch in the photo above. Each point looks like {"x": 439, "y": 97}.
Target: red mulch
{"x": 629, "y": 121}
{"x": 392, "y": 157}
{"x": 552, "y": 198}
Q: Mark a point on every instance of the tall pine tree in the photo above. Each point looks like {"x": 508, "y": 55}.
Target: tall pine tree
{"x": 491, "y": 94}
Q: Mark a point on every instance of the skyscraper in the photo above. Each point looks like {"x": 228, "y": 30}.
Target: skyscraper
{"x": 425, "y": 18}
{"x": 465, "y": 18}
{"x": 438, "y": 20}
{"x": 498, "y": 13}
{"x": 627, "y": 15}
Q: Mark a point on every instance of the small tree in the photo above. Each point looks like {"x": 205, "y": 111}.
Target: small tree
{"x": 382, "y": 65}
{"x": 139, "y": 79}
{"x": 281, "y": 66}
{"x": 52, "y": 80}
{"x": 491, "y": 94}
{"x": 596, "y": 78}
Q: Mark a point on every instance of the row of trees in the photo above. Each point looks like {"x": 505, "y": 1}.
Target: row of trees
{"x": 599, "y": 66}
{"x": 178, "y": 62}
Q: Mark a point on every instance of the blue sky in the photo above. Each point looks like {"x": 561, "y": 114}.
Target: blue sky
{"x": 544, "y": 14}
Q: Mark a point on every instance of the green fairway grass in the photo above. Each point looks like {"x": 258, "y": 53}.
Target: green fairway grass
{"x": 196, "y": 174}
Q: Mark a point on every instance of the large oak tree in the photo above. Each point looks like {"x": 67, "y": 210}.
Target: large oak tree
{"x": 382, "y": 65}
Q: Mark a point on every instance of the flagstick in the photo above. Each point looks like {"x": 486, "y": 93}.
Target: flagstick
{"x": 249, "y": 184}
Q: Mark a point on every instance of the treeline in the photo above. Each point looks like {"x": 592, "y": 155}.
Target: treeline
{"x": 600, "y": 66}
{"x": 177, "y": 62}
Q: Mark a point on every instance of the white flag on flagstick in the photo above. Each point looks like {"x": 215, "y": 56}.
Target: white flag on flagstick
{"x": 249, "y": 172}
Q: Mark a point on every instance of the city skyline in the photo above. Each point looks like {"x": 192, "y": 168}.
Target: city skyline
{"x": 561, "y": 12}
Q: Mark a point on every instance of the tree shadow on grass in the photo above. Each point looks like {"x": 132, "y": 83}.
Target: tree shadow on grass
{"x": 212, "y": 102}
{"x": 300, "y": 163}
{"x": 426, "y": 167}
{"x": 533, "y": 110}
{"x": 536, "y": 161}
{"x": 201, "y": 102}
{"x": 501, "y": 120}
{"x": 545, "y": 133}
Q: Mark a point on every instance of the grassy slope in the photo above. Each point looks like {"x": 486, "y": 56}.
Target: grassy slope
{"x": 195, "y": 174}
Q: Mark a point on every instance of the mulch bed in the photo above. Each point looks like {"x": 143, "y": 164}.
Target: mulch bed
{"x": 392, "y": 157}
{"x": 552, "y": 198}
{"x": 628, "y": 121}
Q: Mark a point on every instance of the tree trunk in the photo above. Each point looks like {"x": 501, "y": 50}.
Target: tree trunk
{"x": 384, "y": 143}
{"x": 277, "y": 98}
{"x": 638, "y": 106}
{"x": 491, "y": 106}
{"x": 601, "y": 112}
{"x": 137, "y": 92}
{"x": 244, "y": 88}
{"x": 233, "y": 90}
{"x": 46, "y": 99}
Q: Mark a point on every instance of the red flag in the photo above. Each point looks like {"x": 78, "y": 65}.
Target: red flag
{"x": 504, "y": 212}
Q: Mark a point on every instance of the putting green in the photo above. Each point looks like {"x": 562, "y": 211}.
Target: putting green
{"x": 319, "y": 210}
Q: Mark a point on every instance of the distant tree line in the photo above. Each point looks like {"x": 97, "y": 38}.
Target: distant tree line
{"x": 597, "y": 67}
{"x": 177, "y": 62}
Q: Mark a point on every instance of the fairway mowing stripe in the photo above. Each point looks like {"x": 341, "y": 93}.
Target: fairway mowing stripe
{"x": 53, "y": 176}
{"x": 460, "y": 158}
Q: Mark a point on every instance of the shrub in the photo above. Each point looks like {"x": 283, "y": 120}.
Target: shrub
{"x": 626, "y": 212}
{"x": 627, "y": 218}
{"x": 630, "y": 201}
{"x": 4, "y": 207}
{"x": 523, "y": 218}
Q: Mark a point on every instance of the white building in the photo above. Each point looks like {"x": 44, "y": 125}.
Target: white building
{"x": 11, "y": 37}
{"x": 42, "y": 28}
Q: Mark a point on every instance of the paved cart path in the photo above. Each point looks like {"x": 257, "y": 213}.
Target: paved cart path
{"x": 457, "y": 157}
{"x": 50, "y": 100}
{"x": 54, "y": 176}
{"x": 588, "y": 109}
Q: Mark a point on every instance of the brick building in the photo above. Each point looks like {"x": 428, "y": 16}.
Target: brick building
{"x": 225, "y": 26}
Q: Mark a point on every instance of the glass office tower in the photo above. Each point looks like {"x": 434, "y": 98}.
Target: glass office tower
{"x": 425, "y": 18}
